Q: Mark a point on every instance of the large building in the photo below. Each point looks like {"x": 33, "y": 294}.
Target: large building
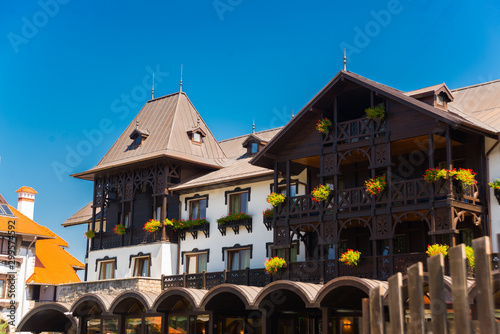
{"x": 208, "y": 276}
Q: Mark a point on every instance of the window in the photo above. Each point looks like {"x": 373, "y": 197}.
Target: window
{"x": 158, "y": 213}
{"x": 197, "y": 137}
{"x": 4, "y": 244}
{"x": 254, "y": 148}
{"x": 141, "y": 267}
{"x": 126, "y": 219}
{"x": 440, "y": 100}
{"x": 107, "y": 270}
{"x": 293, "y": 252}
{"x": 196, "y": 263}
{"x": 198, "y": 208}
{"x": 3, "y": 287}
{"x": 238, "y": 259}
{"x": 293, "y": 190}
{"x": 238, "y": 202}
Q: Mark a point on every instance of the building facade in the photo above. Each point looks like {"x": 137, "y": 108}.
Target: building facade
{"x": 208, "y": 276}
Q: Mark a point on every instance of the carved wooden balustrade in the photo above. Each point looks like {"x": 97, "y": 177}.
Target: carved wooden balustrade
{"x": 398, "y": 194}
{"x": 356, "y": 130}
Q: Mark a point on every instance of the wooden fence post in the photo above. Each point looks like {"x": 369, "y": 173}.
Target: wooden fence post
{"x": 435, "y": 265}
{"x": 396, "y": 303}
{"x": 376, "y": 311}
{"x": 416, "y": 298}
{"x": 366, "y": 315}
{"x": 459, "y": 295}
{"x": 484, "y": 298}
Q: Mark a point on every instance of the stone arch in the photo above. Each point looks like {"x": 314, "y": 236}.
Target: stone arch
{"x": 283, "y": 294}
{"x": 167, "y": 300}
{"x": 132, "y": 302}
{"x": 231, "y": 297}
{"x": 91, "y": 304}
{"x": 48, "y": 317}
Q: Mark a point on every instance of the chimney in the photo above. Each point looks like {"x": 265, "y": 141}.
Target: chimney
{"x": 26, "y": 201}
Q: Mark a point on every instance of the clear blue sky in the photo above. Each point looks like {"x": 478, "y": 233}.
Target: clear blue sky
{"x": 68, "y": 67}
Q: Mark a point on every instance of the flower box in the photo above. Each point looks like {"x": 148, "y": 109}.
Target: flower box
{"x": 235, "y": 225}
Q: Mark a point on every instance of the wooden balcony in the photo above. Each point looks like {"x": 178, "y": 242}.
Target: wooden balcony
{"x": 355, "y": 131}
{"x": 399, "y": 196}
{"x": 307, "y": 271}
{"x": 109, "y": 239}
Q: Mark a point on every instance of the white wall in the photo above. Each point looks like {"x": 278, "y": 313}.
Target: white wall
{"x": 163, "y": 260}
{"x": 494, "y": 166}
{"x": 217, "y": 208}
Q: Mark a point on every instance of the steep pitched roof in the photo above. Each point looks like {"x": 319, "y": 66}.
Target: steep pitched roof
{"x": 447, "y": 117}
{"x": 167, "y": 120}
{"x": 25, "y": 226}
{"x": 481, "y": 102}
{"x": 435, "y": 89}
{"x": 54, "y": 265}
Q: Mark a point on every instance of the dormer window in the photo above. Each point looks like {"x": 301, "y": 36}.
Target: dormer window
{"x": 254, "y": 148}
{"x": 196, "y": 135}
{"x": 440, "y": 100}
{"x": 138, "y": 136}
{"x": 253, "y": 144}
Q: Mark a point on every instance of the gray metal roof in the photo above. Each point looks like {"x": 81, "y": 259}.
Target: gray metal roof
{"x": 168, "y": 120}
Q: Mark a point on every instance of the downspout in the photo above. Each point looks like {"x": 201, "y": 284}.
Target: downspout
{"x": 487, "y": 179}
{"x": 25, "y": 273}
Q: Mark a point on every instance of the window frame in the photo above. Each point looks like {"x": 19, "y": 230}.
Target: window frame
{"x": 202, "y": 208}
{"x": 102, "y": 265}
{"x": 195, "y": 252}
{"x": 140, "y": 260}
{"x": 4, "y": 244}
{"x": 243, "y": 206}
{"x": 236, "y": 248}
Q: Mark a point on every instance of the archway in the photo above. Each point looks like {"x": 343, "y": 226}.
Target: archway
{"x": 134, "y": 309}
{"x": 49, "y": 317}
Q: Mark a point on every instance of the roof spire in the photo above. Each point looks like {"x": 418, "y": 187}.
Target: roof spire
{"x": 137, "y": 123}
{"x": 253, "y": 126}
{"x": 153, "y": 89}
{"x": 180, "y": 90}
{"x": 293, "y": 114}
{"x": 345, "y": 61}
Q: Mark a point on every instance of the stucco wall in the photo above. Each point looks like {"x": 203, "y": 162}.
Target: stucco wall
{"x": 494, "y": 166}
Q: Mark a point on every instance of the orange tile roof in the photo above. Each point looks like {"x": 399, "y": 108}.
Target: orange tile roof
{"x": 26, "y": 190}
{"x": 54, "y": 265}
{"x": 25, "y": 226}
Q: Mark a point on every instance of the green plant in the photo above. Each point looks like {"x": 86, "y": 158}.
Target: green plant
{"x": 321, "y": 192}
{"x": 274, "y": 264}
{"x": 375, "y": 186}
{"x": 179, "y": 224}
{"x": 268, "y": 213}
{"x": 4, "y": 328}
{"x": 495, "y": 184}
{"x": 469, "y": 252}
{"x": 119, "y": 229}
{"x": 89, "y": 234}
{"x": 323, "y": 125}
{"x": 466, "y": 176}
{"x": 274, "y": 199}
{"x": 233, "y": 217}
{"x": 168, "y": 222}
{"x": 436, "y": 249}
{"x": 351, "y": 257}
{"x": 375, "y": 112}
{"x": 151, "y": 226}
{"x": 434, "y": 174}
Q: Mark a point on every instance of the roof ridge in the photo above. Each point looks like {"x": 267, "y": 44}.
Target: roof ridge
{"x": 248, "y": 134}
{"x": 476, "y": 85}
{"x": 173, "y": 121}
{"x": 162, "y": 97}
{"x": 414, "y": 90}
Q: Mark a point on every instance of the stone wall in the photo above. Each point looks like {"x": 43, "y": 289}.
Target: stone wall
{"x": 68, "y": 293}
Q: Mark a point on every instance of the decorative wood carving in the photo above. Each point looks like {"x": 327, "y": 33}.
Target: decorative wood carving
{"x": 282, "y": 236}
{"x": 329, "y": 164}
{"x": 382, "y": 156}
{"x": 383, "y": 225}
{"x": 443, "y": 219}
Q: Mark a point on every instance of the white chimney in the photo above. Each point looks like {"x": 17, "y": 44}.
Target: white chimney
{"x": 26, "y": 201}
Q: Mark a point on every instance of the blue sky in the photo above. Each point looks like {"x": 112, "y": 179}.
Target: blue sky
{"x": 78, "y": 69}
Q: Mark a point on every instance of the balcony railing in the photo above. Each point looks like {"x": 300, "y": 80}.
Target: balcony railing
{"x": 109, "y": 239}
{"x": 398, "y": 194}
{"x": 307, "y": 271}
{"x": 356, "y": 130}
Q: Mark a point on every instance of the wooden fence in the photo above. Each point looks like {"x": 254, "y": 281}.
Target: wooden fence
{"x": 413, "y": 319}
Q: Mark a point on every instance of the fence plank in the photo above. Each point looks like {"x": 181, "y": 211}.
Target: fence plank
{"x": 459, "y": 295}
{"x": 396, "y": 303}
{"x": 366, "y": 315}
{"x": 484, "y": 298}
{"x": 376, "y": 311}
{"x": 435, "y": 265}
{"x": 416, "y": 298}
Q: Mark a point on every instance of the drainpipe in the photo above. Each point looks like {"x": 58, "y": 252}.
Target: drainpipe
{"x": 25, "y": 273}
{"x": 487, "y": 180}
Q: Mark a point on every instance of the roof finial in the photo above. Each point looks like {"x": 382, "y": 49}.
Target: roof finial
{"x": 153, "y": 89}
{"x": 293, "y": 113}
{"x": 198, "y": 122}
{"x": 180, "y": 90}
{"x": 345, "y": 61}
{"x": 253, "y": 126}
{"x": 137, "y": 123}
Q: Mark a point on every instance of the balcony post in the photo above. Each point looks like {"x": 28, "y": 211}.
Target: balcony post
{"x": 184, "y": 281}
{"x": 101, "y": 221}
{"x": 204, "y": 279}
{"x": 162, "y": 282}
{"x": 449, "y": 161}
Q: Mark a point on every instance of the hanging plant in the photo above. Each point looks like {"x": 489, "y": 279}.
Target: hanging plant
{"x": 233, "y": 217}
{"x": 466, "y": 176}
{"x": 435, "y": 174}
{"x": 436, "y": 249}
{"x": 324, "y": 125}
{"x": 377, "y": 112}
{"x": 495, "y": 184}
{"x": 268, "y": 213}
{"x": 119, "y": 229}
{"x": 274, "y": 199}
{"x": 351, "y": 257}
{"x": 89, "y": 234}
{"x": 321, "y": 192}
{"x": 469, "y": 252}
{"x": 151, "y": 226}
{"x": 179, "y": 224}
{"x": 375, "y": 186}
{"x": 168, "y": 222}
{"x": 274, "y": 264}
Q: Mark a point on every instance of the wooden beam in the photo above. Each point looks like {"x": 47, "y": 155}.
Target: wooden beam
{"x": 376, "y": 311}
{"x": 396, "y": 313}
{"x": 416, "y": 298}
{"x": 435, "y": 265}
{"x": 459, "y": 295}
